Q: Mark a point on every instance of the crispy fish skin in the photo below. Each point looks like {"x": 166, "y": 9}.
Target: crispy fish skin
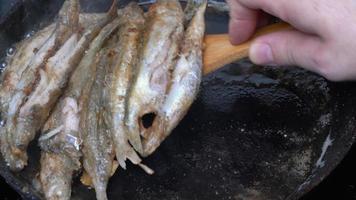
{"x": 53, "y": 78}
{"x": 126, "y": 51}
{"x": 98, "y": 153}
{"x": 25, "y": 51}
{"x": 17, "y": 97}
{"x": 185, "y": 83}
{"x": 159, "y": 48}
{"x": 78, "y": 88}
{"x": 61, "y": 143}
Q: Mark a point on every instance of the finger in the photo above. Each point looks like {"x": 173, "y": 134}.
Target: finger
{"x": 242, "y": 23}
{"x": 293, "y": 12}
{"x": 288, "y": 48}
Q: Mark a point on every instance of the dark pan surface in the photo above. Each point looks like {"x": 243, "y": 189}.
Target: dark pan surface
{"x": 253, "y": 132}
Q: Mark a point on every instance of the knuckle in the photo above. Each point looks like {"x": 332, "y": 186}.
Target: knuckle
{"x": 287, "y": 52}
{"x": 325, "y": 65}
{"x": 290, "y": 56}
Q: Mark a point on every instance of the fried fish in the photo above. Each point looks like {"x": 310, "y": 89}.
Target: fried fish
{"x": 53, "y": 78}
{"x": 185, "y": 82}
{"x": 126, "y": 51}
{"x": 22, "y": 86}
{"x": 98, "y": 152}
{"x": 157, "y": 57}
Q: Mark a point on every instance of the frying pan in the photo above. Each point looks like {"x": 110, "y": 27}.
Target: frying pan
{"x": 253, "y": 133}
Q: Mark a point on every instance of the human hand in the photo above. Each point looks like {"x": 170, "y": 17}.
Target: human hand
{"x": 323, "y": 40}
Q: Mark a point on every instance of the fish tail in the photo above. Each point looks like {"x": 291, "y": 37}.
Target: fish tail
{"x": 68, "y": 22}
{"x": 112, "y": 13}
{"x": 100, "y": 190}
{"x": 191, "y": 9}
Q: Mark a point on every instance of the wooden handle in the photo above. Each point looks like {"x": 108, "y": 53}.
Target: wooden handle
{"x": 218, "y": 51}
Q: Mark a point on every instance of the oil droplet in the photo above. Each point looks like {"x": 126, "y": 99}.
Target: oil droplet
{"x": 10, "y": 51}
{"x": 2, "y": 66}
{"x": 2, "y": 123}
{"x": 29, "y": 34}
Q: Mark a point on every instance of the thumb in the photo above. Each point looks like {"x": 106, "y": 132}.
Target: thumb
{"x": 289, "y": 47}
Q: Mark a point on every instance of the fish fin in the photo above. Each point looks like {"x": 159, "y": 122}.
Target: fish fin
{"x": 133, "y": 133}
{"x": 100, "y": 190}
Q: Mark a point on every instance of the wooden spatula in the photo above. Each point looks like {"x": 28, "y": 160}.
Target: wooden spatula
{"x": 218, "y": 51}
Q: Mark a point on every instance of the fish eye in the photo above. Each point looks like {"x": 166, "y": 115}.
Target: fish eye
{"x": 148, "y": 119}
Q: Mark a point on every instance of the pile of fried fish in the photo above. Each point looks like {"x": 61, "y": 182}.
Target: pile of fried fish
{"x": 86, "y": 82}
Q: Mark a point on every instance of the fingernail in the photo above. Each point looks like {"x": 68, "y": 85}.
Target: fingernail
{"x": 261, "y": 54}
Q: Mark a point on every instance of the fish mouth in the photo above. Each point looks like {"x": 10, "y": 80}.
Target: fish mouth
{"x": 152, "y": 132}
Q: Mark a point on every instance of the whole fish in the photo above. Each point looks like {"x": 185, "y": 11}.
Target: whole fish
{"x": 159, "y": 48}
{"x": 11, "y": 76}
{"x": 185, "y": 82}
{"x": 126, "y": 51}
{"x": 98, "y": 152}
{"x": 22, "y": 86}
{"x": 62, "y": 137}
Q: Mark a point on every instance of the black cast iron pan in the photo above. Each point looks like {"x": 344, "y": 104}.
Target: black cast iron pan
{"x": 253, "y": 133}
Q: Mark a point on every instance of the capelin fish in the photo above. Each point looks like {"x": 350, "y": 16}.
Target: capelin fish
{"x": 53, "y": 78}
{"x": 23, "y": 85}
{"x": 62, "y": 137}
{"x": 11, "y": 76}
{"x": 184, "y": 85}
{"x": 98, "y": 152}
{"x": 160, "y": 46}
{"x": 126, "y": 51}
